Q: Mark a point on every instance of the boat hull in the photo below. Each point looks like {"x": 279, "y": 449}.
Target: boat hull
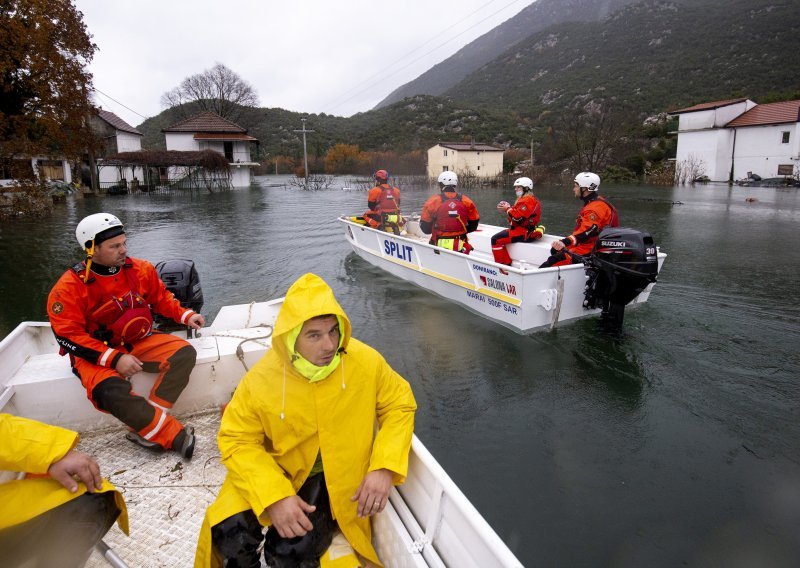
{"x": 522, "y": 297}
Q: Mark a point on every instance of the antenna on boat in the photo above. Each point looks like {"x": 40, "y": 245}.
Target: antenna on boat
{"x": 305, "y": 153}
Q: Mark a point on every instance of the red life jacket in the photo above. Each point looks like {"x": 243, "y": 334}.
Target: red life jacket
{"x": 388, "y": 200}
{"x": 452, "y": 216}
{"x": 614, "y": 217}
{"x": 123, "y": 319}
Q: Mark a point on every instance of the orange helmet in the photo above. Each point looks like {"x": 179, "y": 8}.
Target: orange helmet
{"x": 382, "y": 174}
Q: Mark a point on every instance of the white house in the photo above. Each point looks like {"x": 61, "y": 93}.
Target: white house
{"x": 209, "y": 131}
{"x": 116, "y": 136}
{"x": 473, "y": 158}
{"x": 736, "y": 138}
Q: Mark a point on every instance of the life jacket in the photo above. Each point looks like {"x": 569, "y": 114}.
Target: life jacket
{"x": 388, "y": 200}
{"x": 452, "y": 216}
{"x": 614, "y": 217}
{"x": 531, "y": 221}
{"x": 119, "y": 320}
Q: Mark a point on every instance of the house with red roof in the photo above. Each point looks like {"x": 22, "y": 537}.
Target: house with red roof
{"x": 209, "y": 131}
{"x": 472, "y": 158}
{"x": 739, "y": 138}
{"x": 115, "y": 135}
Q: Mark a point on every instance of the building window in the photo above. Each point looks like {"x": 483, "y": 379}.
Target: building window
{"x": 444, "y": 168}
{"x": 785, "y": 137}
{"x": 785, "y": 169}
{"x": 479, "y": 168}
{"x": 445, "y": 152}
{"x": 228, "y": 147}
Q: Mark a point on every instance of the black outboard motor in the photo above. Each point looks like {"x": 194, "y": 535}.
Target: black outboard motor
{"x": 181, "y": 278}
{"x": 622, "y": 264}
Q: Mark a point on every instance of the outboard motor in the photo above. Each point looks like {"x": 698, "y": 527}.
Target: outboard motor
{"x": 181, "y": 278}
{"x": 622, "y": 263}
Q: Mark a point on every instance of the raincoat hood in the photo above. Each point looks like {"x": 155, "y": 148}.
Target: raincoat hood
{"x": 309, "y": 297}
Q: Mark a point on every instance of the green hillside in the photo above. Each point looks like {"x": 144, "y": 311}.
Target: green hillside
{"x": 648, "y": 58}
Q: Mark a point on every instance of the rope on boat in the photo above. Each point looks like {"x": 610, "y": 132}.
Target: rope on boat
{"x": 560, "y": 294}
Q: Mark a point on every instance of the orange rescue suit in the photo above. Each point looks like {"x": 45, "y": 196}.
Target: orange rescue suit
{"x": 595, "y": 216}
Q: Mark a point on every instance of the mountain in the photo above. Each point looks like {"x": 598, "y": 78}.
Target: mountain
{"x": 647, "y": 58}
{"x": 534, "y": 18}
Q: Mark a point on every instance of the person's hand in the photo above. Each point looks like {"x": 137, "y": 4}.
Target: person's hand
{"x": 373, "y": 493}
{"x": 289, "y": 516}
{"x": 557, "y": 245}
{"x": 128, "y": 365}
{"x": 503, "y": 206}
{"x": 196, "y": 321}
{"x": 80, "y": 465}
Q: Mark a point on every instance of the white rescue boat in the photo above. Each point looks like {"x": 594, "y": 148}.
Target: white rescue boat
{"x": 428, "y": 523}
{"x": 522, "y": 296}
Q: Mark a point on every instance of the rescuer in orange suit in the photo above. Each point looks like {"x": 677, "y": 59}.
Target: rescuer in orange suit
{"x": 383, "y": 201}
{"x": 100, "y": 312}
{"x": 449, "y": 216}
{"x": 523, "y": 219}
{"x": 597, "y": 214}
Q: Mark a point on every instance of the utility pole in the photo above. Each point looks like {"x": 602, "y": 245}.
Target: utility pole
{"x": 305, "y": 153}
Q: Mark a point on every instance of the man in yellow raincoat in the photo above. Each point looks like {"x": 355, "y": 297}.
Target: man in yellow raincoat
{"x": 320, "y": 413}
{"x": 57, "y": 516}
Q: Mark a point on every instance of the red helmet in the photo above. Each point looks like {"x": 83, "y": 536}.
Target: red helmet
{"x": 382, "y": 174}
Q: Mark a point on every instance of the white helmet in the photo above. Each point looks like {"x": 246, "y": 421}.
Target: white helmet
{"x": 525, "y": 182}
{"x": 93, "y": 225}
{"x": 448, "y": 178}
{"x": 588, "y": 180}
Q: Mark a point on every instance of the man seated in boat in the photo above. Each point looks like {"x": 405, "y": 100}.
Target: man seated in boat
{"x": 449, "y": 216}
{"x": 523, "y": 220}
{"x": 383, "y": 201}
{"x": 62, "y": 507}
{"x": 100, "y": 312}
{"x": 314, "y": 438}
{"x": 595, "y": 215}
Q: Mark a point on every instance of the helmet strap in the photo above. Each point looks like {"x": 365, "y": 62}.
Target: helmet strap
{"x": 89, "y": 255}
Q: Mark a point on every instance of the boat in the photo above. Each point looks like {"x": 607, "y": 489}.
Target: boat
{"x": 621, "y": 272}
{"x": 427, "y": 523}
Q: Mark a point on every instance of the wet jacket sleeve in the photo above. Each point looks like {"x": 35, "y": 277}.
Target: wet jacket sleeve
{"x": 395, "y": 414}
{"x": 373, "y": 197}
{"x": 155, "y": 292}
{"x": 473, "y": 216}
{"x": 30, "y": 446}
{"x": 253, "y": 471}
{"x": 429, "y": 214}
{"x": 67, "y": 307}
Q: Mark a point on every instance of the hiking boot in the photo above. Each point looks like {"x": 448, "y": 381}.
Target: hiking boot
{"x": 143, "y": 442}
{"x": 184, "y": 442}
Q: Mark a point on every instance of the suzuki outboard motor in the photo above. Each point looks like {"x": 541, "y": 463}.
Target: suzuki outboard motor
{"x": 181, "y": 278}
{"x": 622, "y": 263}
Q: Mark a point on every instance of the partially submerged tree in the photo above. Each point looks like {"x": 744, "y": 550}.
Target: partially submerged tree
{"x": 591, "y": 135}
{"x": 44, "y": 84}
{"x": 218, "y": 90}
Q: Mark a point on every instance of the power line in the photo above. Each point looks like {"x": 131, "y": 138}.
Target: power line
{"x": 95, "y": 89}
{"x": 386, "y": 69}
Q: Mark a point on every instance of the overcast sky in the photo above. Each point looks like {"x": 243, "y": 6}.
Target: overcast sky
{"x": 338, "y": 57}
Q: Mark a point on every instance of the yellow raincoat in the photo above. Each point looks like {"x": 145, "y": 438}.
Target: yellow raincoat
{"x": 31, "y": 447}
{"x": 277, "y": 422}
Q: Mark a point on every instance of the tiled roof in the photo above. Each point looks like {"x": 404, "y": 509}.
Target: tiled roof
{"x": 476, "y": 147}
{"x": 117, "y": 122}
{"x": 224, "y": 136}
{"x": 770, "y": 113}
{"x": 206, "y": 121}
{"x": 709, "y": 106}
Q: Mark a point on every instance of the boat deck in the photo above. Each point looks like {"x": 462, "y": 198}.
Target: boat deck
{"x": 166, "y": 495}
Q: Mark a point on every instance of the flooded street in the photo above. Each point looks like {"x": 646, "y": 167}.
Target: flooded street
{"x": 676, "y": 443}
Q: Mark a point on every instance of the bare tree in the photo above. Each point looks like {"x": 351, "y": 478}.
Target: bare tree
{"x": 218, "y": 89}
{"x": 689, "y": 170}
{"x": 591, "y": 135}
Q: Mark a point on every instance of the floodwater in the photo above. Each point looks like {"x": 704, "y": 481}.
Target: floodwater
{"x": 676, "y": 443}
